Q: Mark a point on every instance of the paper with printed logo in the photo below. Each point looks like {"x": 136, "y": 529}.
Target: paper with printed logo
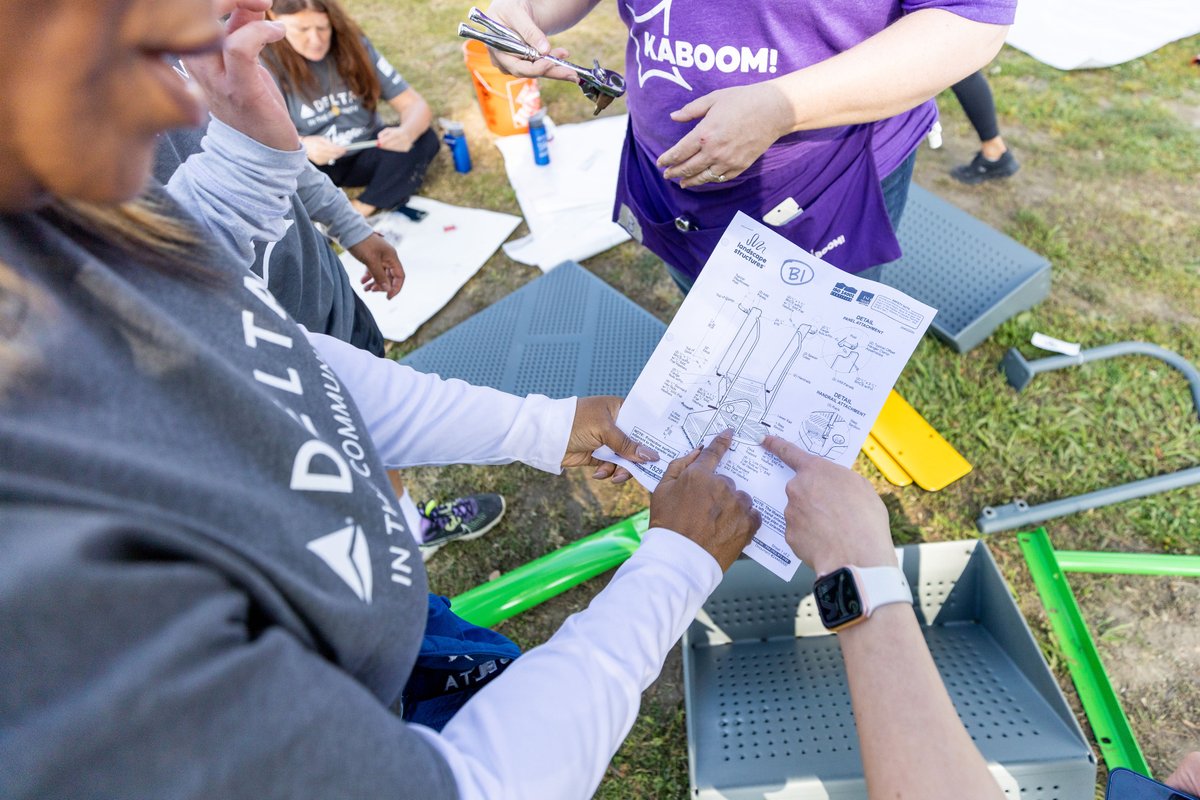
{"x": 771, "y": 340}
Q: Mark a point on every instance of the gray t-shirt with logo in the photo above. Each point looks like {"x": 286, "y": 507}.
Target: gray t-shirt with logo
{"x": 207, "y": 588}
{"x": 300, "y": 268}
{"x": 337, "y": 113}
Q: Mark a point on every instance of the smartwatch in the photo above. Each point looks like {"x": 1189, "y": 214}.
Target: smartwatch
{"x": 849, "y": 595}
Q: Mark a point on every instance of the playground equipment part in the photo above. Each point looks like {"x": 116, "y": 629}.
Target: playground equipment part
{"x": 1019, "y": 372}
{"x": 974, "y": 275}
{"x": 1117, "y": 743}
{"x": 889, "y": 467}
{"x": 768, "y": 707}
{"x": 914, "y": 447}
{"x": 552, "y": 574}
{"x": 1018, "y": 513}
{"x": 1128, "y": 563}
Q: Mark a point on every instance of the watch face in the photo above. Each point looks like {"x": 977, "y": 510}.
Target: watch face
{"x": 837, "y": 598}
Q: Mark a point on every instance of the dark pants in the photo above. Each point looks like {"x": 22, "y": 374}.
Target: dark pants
{"x": 895, "y": 196}
{"x": 389, "y": 178}
{"x": 365, "y": 335}
{"x": 975, "y": 96}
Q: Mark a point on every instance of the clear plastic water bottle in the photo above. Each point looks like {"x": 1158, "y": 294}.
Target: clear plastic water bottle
{"x": 541, "y": 141}
{"x": 456, "y": 139}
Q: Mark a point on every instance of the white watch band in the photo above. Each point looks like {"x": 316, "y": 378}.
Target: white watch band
{"x": 881, "y": 586}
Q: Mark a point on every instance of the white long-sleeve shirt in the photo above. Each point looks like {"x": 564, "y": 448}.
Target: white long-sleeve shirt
{"x": 548, "y": 727}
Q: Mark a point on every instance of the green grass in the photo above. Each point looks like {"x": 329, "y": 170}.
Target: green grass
{"x": 1109, "y": 192}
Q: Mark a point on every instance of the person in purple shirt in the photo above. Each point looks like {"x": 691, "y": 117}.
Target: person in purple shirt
{"x": 803, "y": 113}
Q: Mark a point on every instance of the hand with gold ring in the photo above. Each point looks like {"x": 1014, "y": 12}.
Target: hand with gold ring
{"x": 735, "y": 127}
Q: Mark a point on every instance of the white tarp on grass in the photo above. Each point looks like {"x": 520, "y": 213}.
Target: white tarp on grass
{"x": 1083, "y": 34}
{"x": 440, "y": 253}
{"x": 568, "y": 202}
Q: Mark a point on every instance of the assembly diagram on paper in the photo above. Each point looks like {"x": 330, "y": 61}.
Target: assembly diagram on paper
{"x": 771, "y": 341}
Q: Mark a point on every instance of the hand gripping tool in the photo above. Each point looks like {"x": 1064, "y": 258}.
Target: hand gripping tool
{"x": 598, "y": 84}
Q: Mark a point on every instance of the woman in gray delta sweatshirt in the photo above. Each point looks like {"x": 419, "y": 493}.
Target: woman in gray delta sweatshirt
{"x": 206, "y": 588}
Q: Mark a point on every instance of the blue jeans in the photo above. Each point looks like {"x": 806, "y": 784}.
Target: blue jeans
{"x": 895, "y": 189}
{"x": 895, "y": 196}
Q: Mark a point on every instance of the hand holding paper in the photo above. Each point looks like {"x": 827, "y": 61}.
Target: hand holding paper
{"x": 770, "y": 341}
{"x": 692, "y": 500}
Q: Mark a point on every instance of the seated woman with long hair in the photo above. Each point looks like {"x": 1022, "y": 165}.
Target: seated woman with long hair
{"x": 333, "y": 78}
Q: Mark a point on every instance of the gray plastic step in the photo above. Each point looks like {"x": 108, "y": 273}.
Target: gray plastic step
{"x": 566, "y": 333}
{"x": 768, "y": 708}
{"x": 974, "y": 275}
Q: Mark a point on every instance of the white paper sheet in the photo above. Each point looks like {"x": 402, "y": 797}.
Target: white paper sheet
{"x": 771, "y": 340}
{"x": 440, "y": 253}
{"x": 1082, "y": 34}
{"x": 568, "y": 202}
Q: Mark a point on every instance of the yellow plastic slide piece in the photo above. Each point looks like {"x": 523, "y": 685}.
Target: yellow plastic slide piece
{"x": 932, "y": 462}
{"x": 887, "y": 465}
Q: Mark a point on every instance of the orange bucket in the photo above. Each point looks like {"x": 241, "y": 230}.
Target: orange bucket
{"x": 507, "y": 102}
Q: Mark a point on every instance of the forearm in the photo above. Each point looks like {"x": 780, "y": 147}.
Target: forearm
{"x": 897, "y": 69}
{"x": 550, "y": 724}
{"x": 895, "y": 690}
{"x": 238, "y": 189}
{"x": 327, "y": 204}
{"x": 417, "y": 419}
{"x": 415, "y": 117}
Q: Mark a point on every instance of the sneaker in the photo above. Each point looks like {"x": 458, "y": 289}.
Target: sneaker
{"x": 459, "y": 520}
{"x": 980, "y": 169}
{"x": 415, "y": 214}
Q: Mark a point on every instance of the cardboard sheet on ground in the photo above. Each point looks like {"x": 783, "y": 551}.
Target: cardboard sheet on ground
{"x": 568, "y": 202}
{"x": 440, "y": 253}
{"x": 771, "y": 340}
{"x": 1082, "y": 34}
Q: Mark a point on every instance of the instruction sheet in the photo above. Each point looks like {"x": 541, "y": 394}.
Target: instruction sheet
{"x": 771, "y": 340}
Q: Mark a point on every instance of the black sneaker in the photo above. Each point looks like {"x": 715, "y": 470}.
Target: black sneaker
{"x": 980, "y": 169}
{"x": 459, "y": 520}
{"x": 415, "y": 214}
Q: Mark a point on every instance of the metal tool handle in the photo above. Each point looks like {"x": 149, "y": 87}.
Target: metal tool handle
{"x": 582, "y": 72}
{"x": 480, "y": 18}
{"x": 503, "y": 44}
{"x": 598, "y": 84}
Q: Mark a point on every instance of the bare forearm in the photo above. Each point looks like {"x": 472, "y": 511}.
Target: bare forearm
{"x": 897, "y": 69}
{"x": 895, "y": 690}
{"x": 417, "y": 119}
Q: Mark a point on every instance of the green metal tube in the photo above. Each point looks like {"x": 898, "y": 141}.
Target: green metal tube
{"x": 1128, "y": 563}
{"x": 1117, "y": 743}
{"x": 552, "y": 574}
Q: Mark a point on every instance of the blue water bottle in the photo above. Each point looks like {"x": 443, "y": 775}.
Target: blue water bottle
{"x": 541, "y": 144}
{"x": 456, "y": 139}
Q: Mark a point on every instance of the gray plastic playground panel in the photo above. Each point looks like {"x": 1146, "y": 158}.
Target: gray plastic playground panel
{"x": 974, "y": 275}
{"x": 768, "y": 709}
{"x": 565, "y": 334}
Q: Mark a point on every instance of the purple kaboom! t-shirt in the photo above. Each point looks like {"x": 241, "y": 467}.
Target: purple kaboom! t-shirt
{"x": 679, "y": 51}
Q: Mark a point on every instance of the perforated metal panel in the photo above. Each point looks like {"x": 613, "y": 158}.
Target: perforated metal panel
{"x": 565, "y": 333}
{"x": 768, "y": 708}
{"x": 974, "y": 275}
